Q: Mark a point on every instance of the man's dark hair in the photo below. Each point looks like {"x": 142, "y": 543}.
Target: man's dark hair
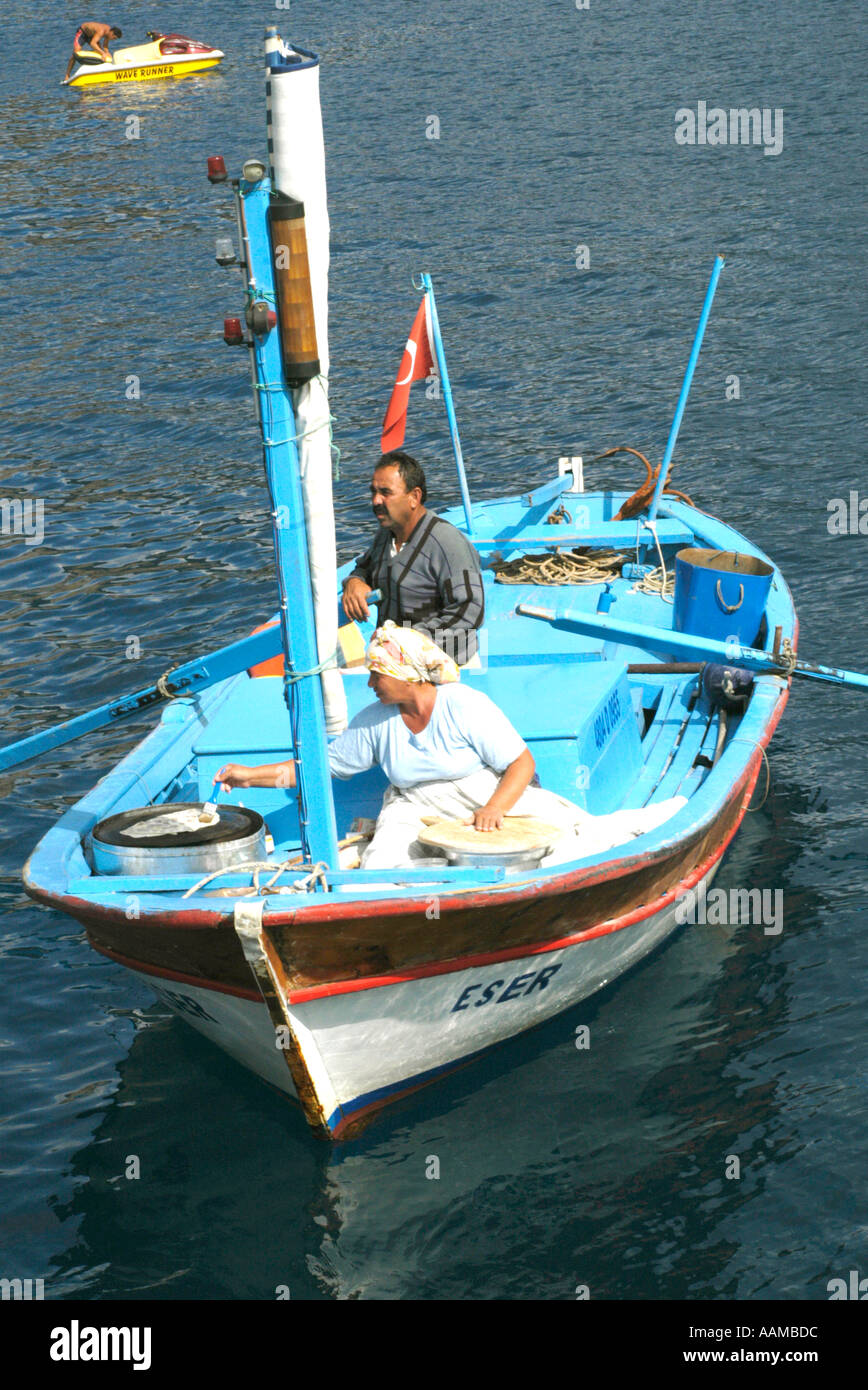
{"x": 410, "y": 471}
{"x": 118, "y": 33}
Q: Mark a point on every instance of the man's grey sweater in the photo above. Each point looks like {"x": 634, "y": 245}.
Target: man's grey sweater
{"x": 434, "y": 583}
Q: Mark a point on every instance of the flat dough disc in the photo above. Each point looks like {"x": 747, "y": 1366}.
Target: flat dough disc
{"x": 516, "y": 833}
{"x": 172, "y": 823}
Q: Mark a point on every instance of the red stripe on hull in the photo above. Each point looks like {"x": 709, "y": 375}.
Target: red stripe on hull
{"x": 357, "y": 1120}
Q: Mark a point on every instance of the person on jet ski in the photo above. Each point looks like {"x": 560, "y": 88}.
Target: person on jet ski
{"x": 97, "y": 36}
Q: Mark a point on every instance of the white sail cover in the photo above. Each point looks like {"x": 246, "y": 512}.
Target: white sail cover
{"x": 297, "y": 157}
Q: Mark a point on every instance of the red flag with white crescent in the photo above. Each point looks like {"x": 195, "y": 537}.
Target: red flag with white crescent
{"x": 416, "y": 364}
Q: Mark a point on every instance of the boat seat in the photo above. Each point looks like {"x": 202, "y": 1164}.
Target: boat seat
{"x": 578, "y": 721}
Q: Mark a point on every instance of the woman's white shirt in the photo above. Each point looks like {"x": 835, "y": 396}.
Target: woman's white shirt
{"x": 466, "y": 732}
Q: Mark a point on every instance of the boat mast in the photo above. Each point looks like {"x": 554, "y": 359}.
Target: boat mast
{"x": 302, "y": 684}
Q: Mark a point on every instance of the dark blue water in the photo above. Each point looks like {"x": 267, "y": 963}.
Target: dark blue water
{"x": 558, "y": 1167}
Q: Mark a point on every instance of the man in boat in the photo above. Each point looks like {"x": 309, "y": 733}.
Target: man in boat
{"x": 427, "y": 571}
{"x": 97, "y": 36}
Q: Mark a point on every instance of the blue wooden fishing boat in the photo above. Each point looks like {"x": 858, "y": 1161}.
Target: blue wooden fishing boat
{"x": 348, "y": 988}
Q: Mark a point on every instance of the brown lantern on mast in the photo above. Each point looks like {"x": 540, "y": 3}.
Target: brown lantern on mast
{"x": 295, "y": 315}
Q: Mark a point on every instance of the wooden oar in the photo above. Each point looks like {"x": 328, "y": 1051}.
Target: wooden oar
{"x": 690, "y": 647}
{"x": 187, "y": 679}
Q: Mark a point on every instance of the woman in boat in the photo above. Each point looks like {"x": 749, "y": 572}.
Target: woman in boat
{"x": 447, "y": 751}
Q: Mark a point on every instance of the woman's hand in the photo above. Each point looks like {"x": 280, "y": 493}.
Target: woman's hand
{"x": 234, "y": 775}
{"x": 506, "y": 794}
{"x": 269, "y": 775}
{"x": 488, "y": 817}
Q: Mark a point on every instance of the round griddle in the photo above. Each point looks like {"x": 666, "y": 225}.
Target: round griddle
{"x": 176, "y": 825}
{"x": 517, "y": 835}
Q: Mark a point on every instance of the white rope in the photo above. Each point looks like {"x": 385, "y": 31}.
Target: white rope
{"x": 256, "y": 866}
{"x": 656, "y": 581}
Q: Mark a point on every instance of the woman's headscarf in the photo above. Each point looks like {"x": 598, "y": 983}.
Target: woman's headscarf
{"x": 409, "y": 655}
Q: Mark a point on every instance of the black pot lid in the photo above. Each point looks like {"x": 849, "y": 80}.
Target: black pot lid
{"x": 176, "y": 825}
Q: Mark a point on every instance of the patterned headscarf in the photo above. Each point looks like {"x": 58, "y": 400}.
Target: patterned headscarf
{"x": 409, "y": 655}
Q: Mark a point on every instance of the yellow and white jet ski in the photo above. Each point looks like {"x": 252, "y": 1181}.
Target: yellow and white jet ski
{"x": 165, "y": 55}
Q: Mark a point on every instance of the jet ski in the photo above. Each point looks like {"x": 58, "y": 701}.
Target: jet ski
{"x": 164, "y": 55}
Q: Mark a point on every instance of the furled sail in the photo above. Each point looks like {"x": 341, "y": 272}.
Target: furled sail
{"x": 297, "y": 157}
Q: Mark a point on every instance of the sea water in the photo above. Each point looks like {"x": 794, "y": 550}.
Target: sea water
{"x": 698, "y": 1129}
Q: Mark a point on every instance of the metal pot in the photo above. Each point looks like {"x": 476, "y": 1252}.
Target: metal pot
{"x": 512, "y": 861}
{"x": 170, "y": 839}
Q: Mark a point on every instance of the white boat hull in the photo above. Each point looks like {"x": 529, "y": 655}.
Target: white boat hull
{"x": 364, "y": 1045}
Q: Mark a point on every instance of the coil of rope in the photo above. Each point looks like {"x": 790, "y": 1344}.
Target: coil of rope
{"x": 316, "y": 874}
{"x": 582, "y": 565}
{"x": 657, "y": 581}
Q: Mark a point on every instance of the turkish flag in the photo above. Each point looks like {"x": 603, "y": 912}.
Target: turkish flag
{"x": 416, "y": 364}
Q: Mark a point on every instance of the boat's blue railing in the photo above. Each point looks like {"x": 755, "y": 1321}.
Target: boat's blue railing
{"x": 604, "y": 533}
{"x": 548, "y": 492}
{"x": 418, "y": 880}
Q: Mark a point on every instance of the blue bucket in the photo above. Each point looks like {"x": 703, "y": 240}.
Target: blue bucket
{"x": 721, "y": 594}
